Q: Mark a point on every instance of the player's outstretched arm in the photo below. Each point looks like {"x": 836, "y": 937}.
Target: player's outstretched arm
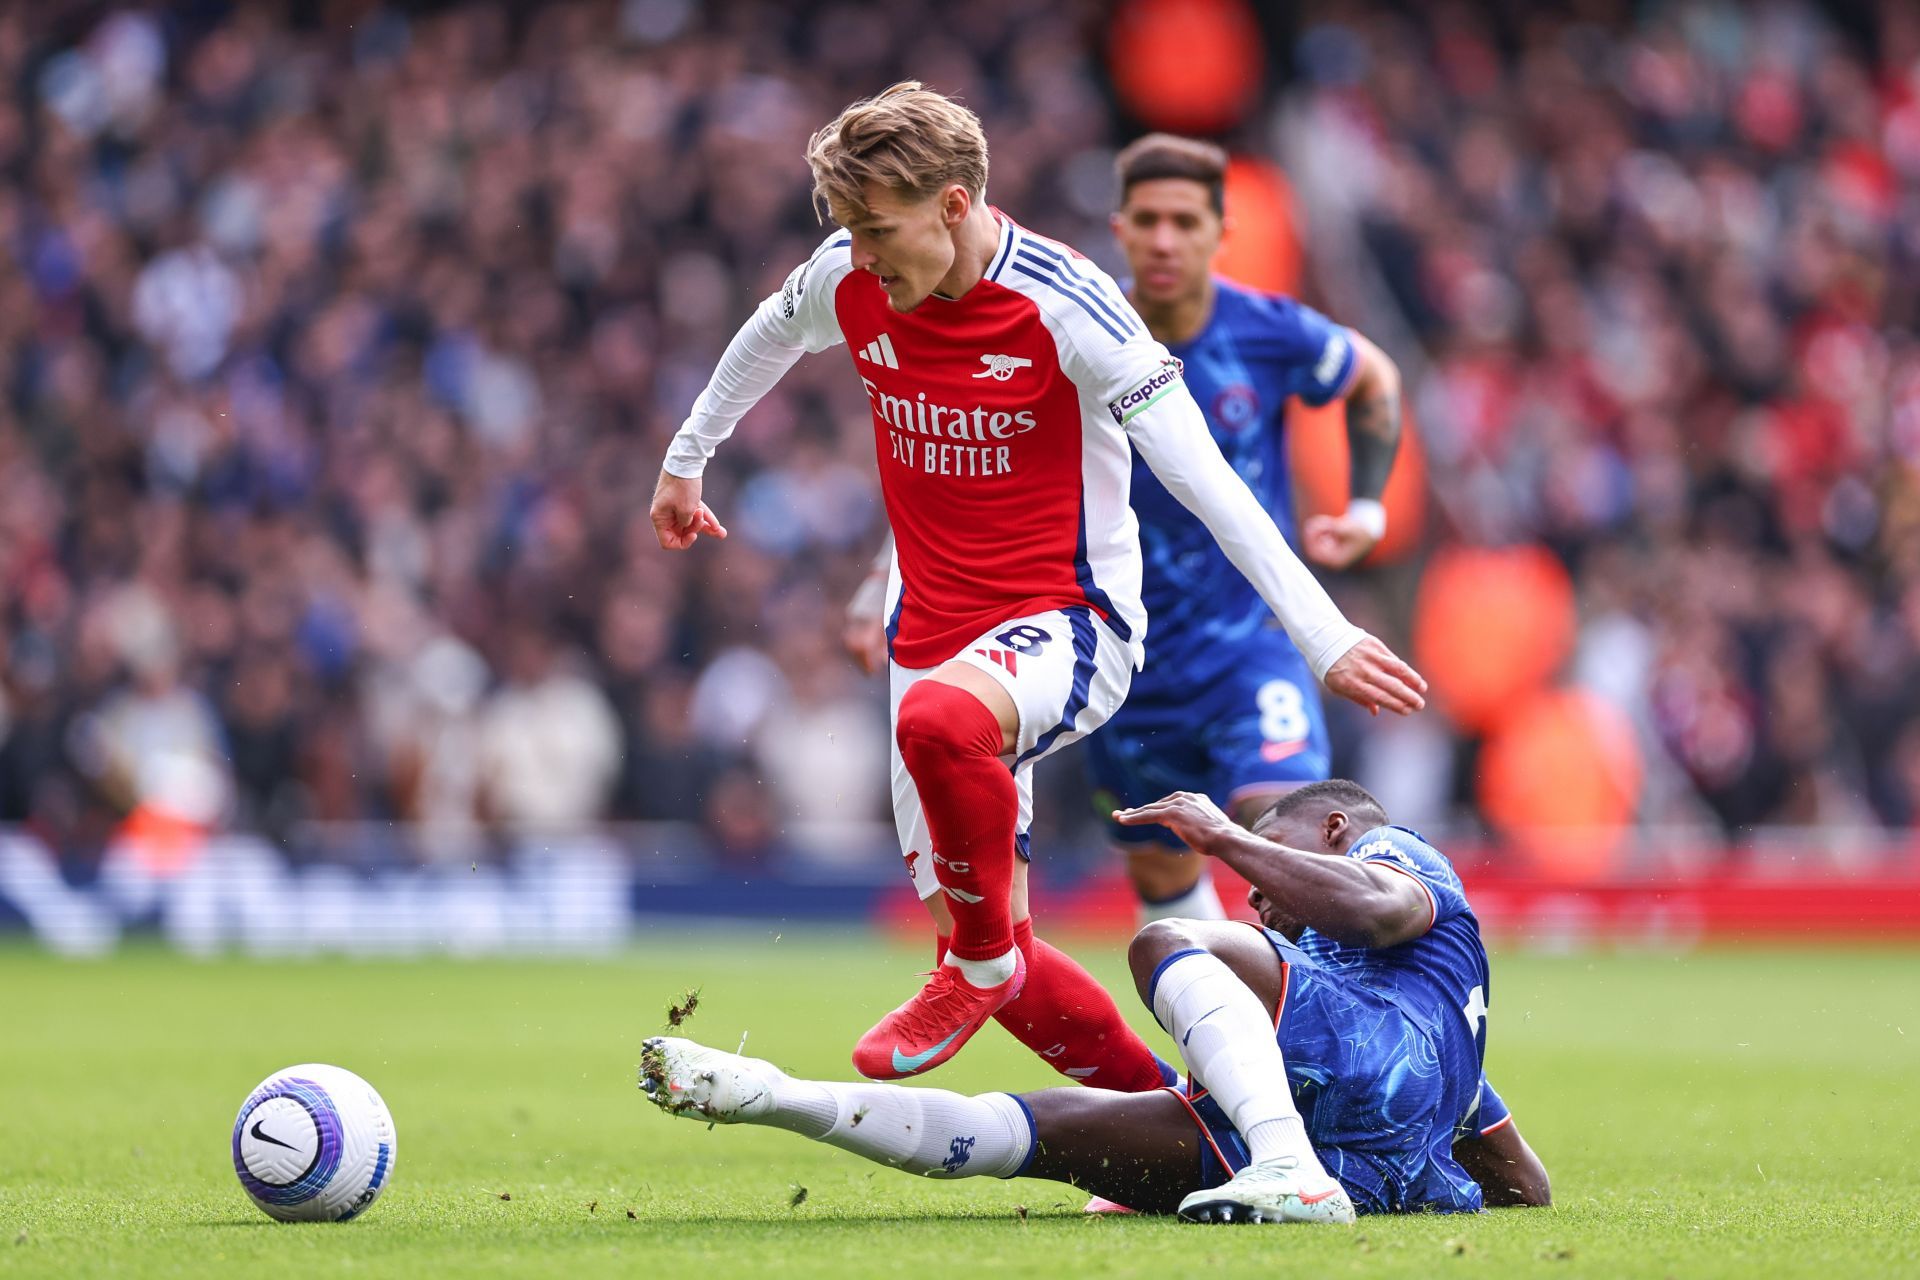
{"x": 754, "y": 361}
{"x": 1356, "y": 903}
{"x": 1171, "y": 434}
{"x": 782, "y": 329}
{"x": 1509, "y": 1173}
{"x": 1373, "y": 437}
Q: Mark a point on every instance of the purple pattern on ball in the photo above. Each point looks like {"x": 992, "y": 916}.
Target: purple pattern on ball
{"x": 326, "y": 1124}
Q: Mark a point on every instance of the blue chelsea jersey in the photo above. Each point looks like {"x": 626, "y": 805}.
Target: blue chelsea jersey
{"x": 1438, "y": 979}
{"x": 1255, "y": 351}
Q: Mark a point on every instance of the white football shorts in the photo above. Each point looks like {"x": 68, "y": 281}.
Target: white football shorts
{"x": 1067, "y": 673}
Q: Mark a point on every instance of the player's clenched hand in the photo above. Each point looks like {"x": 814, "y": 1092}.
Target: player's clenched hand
{"x": 865, "y": 640}
{"x": 1337, "y": 542}
{"x": 865, "y": 634}
{"x": 1372, "y": 676}
{"x": 679, "y": 517}
{"x": 1194, "y": 818}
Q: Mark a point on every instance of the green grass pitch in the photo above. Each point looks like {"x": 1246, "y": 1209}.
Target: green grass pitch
{"x": 1731, "y": 1113}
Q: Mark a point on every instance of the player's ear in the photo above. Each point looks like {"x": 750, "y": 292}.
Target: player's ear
{"x": 956, "y": 202}
{"x": 1333, "y": 828}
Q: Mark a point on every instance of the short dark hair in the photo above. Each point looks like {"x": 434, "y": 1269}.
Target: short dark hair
{"x": 1167, "y": 155}
{"x": 1349, "y": 797}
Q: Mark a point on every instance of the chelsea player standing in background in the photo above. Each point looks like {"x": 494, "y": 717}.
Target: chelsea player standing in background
{"x": 1225, "y": 705}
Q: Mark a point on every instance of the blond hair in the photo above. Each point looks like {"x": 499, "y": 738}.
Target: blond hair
{"x": 906, "y": 139}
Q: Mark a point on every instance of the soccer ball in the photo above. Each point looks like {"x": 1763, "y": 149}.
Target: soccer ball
{"x": 314, "y": 1143}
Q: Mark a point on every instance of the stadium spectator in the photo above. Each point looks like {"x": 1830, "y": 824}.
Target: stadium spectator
{"x": 337, "y": 334}
{"x": 549, "y": 744}
{"x": 1659, "y": 268}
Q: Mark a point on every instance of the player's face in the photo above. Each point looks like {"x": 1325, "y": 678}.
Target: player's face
{"x": 907, "y": 244}
{"x": 1169, "y": 232}
{"x": 1272, "y": 917}
{"x": 1310, "y": 834}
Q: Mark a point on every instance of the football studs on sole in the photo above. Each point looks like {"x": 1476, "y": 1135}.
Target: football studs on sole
{"x": 1222, "y": 1211}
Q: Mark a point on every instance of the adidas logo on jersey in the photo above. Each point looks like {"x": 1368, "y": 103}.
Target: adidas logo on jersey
{"x": 1002, "y": 367}
{"x": 880, "y": 351}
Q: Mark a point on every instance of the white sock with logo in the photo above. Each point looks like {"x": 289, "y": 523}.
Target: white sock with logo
{"x": 1202, "y": 902}
{"x": 926, "y": 1131}
{"x": 1228, "y": 1043}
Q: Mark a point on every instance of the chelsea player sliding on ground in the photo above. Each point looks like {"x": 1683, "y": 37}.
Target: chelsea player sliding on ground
{"x": 1336, "y": 1054}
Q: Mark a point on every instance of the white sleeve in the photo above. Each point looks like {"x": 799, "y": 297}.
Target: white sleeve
{"x": 796, "y": 320}
{"x": 1109, "y": 354}
{"x": 1104, "y": 344}
{"x": 1170, "y": 432}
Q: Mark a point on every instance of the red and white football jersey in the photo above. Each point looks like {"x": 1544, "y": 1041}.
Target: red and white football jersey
{"x": 997, "y": 419}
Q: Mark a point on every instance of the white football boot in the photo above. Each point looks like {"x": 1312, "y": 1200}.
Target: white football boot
{"x": 1272, "y": 1191}
{"x": 687, "y": 1079}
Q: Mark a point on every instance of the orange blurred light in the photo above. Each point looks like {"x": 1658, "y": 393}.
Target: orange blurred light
{"x": 1262, "y": 248}
{"x": 1490, "y": 626}
{"x": 1560, "y": 778}
{"x": 1191, "y": 66}
{"x": 163, "y": 843}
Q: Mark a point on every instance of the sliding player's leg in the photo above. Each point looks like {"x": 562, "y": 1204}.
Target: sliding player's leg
{"x": 1143, "y": 1147}
{"x": 1218, "y": 988}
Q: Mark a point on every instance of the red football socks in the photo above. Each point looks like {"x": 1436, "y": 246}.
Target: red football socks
{"x": 1069, "y": 1019}
{"x": 1071, "y": 1022}
{"x": 950, "y": 743}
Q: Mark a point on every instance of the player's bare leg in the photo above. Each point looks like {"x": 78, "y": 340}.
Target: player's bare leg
{"x": 1215, "y": 987}
{"x": 1140, "y": 1147}
{"x": 1173, "y": 884}
{"x": 1137, "y": 1149}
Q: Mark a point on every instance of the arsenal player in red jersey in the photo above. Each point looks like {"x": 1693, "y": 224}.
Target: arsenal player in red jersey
{"x": 1009, "y": 380}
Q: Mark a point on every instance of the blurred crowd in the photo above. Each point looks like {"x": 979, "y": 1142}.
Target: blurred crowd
{"x": 341, "y": 344}
{"x": 339, "y": 356}
{"x": 1666, "y": 278}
